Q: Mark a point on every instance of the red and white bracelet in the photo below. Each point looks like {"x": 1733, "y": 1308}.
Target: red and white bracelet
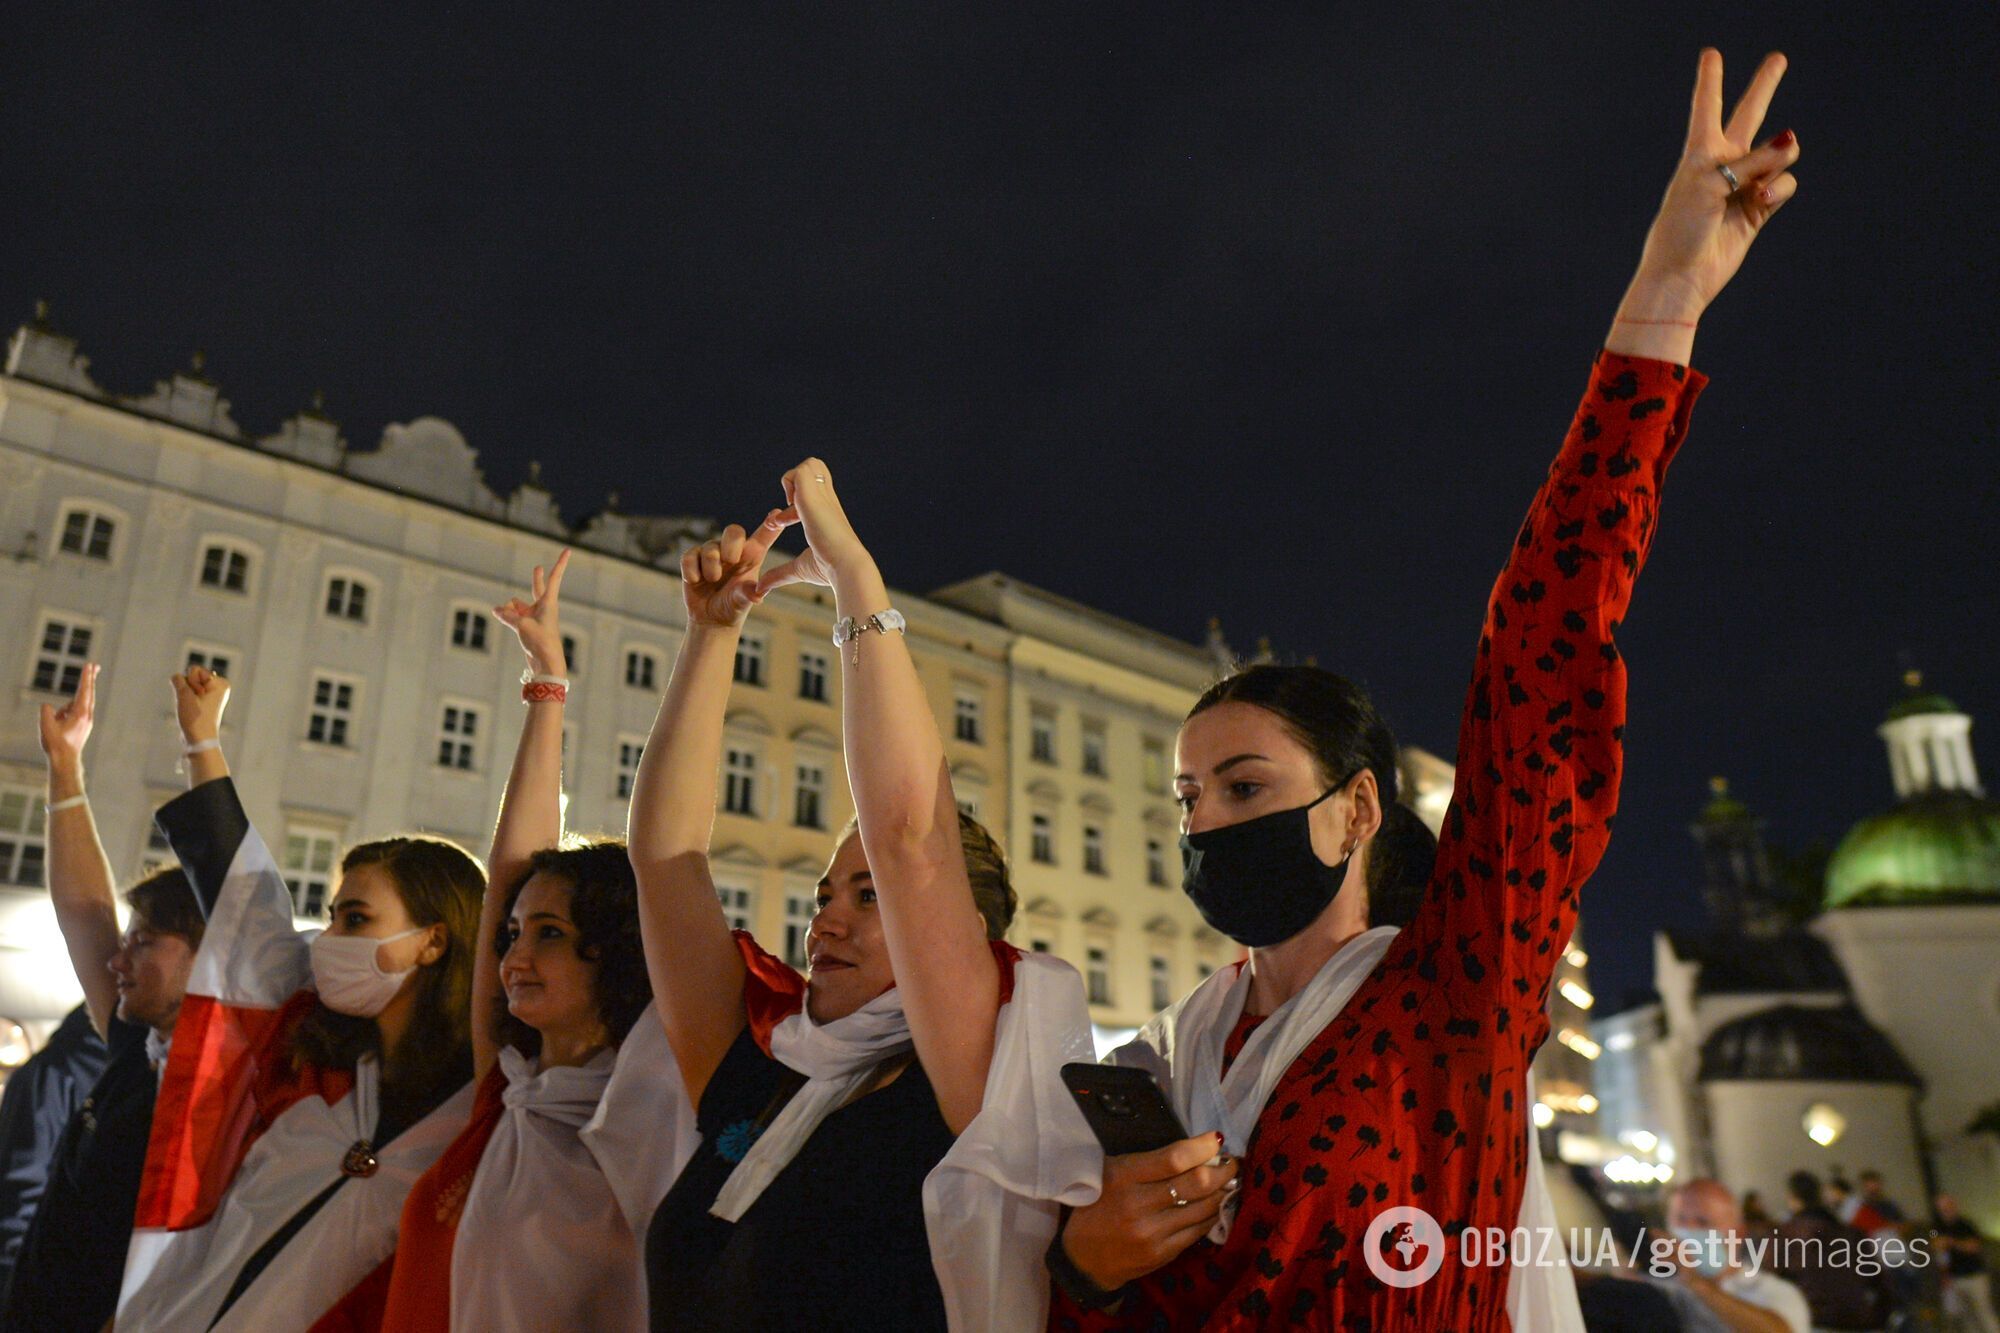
{"x": 538, "y": 689}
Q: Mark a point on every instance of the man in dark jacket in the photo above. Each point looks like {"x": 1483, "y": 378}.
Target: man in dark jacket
{"x": 40, "y": 1098}
{"x": 1817, "y": 1252}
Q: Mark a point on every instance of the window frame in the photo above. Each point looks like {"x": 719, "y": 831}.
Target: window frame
{"x": 751, "y": 665}
{"x": 968, "y": 714}
{"x": 312, "y": 833}
{"x": 68, "y": 658}
{"x": 209, "y": 653}
{"x": 1037, "y": 752}
{"x": 651, "y": 658}
{"x": 1042, "y": 838}
{"x": 101, "y": 512}
{"x": 371, "y": 597}
{"x": 743, "y": 778}
{"x": 628, "y": 776}
{"x": 474, "y": 617}
{"x": 32, "y": 832}
{"x": 355, "y": 685}
{"x": 801, "y": 789}
{"x": 808, "y": 673}
{"x": 468, "y": 742}
{"x": 229, "y": 545}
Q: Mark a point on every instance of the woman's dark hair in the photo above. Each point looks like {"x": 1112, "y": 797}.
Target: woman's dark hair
{"x": 985, "y": 866}
{"x": 604, "y": 907}
{"x": 166, "y": 901}
{"x": 440, "y": 884}
{"x": 1334, "y": 719}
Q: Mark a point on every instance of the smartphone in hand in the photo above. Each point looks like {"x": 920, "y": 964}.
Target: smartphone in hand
{"x": 1124, "y": 1106}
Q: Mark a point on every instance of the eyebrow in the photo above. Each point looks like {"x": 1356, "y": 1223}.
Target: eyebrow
{"x": 1225, "y": 765}
{"x": 341, "y": 904}
{"x": 547, "y": 916}
{"x": 826, "y": 882}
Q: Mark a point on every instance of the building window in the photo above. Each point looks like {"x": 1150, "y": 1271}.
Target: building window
{"x": 1162, "y": 974}
{"x": 87, "y": 533}
{"x": 1099, "y": 976}
{"x": 739, "y": 782}
{"x": 332, "y": 712}
{"x": 218, "y": 660}
{"x": 966, "y": 718}
{"x": 1204, "y": 969}
{"x": 1042, "y": 736}
{"x": 1093, "y": 749}
{"x": 812, "y": 676}
{"x": 1042, "y": 839}
{"x": 309, "y": 869}
{"x": 1154, "y": 762}
{"x": 1156, "y": 863}
{"x": 749, "y": 661}
{"x": 225, "y": 568}
{"x": 807, "y": 798}
{"x": 572, "y": 654}
{"x": 347, "y": 599}
{"x": 736, "y": 902}
{"x": 458, "y": 738}
{"x": 799, "y": 911}
{"x": 63, "y": 651}
{"x": 1038, "y": 946}
{"x": 468, "y": 629}
{"x": 641, "y": 668}
{"x": 628, "y": 765}
{"x": 23, "y": 837}
{"x": 1093, "y": 849}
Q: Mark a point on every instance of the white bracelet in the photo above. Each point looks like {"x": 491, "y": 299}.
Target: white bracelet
{"x": 200, "y": 747}
{"x": 542, "y": 678}
{"x": 849, "y": 630}
{"x": 69, "y": 804}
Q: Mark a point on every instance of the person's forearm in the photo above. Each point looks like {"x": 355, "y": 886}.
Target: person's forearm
{"x": 1738, "y": 1315}
{"x": 673, "y": 792}
{"x": 1656, "y": 320}
{"x": 531, "y": 807}
{"x": 81, "y": 891}
{"x": 530, "y": 819}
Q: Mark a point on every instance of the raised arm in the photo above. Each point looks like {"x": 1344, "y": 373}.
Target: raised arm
{"x": 80, "y": 886}
{"x": 531, "y": 807}
{"x": 904, "y": 804}
{"x": 1541, "y": 742}
{"x": 695, "y": 967}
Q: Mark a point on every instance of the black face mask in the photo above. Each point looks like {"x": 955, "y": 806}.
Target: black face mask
{"x": 1260, "y": 882}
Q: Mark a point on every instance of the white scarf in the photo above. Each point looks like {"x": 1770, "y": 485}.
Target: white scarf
{"x": 836, "y": 1058}
{"x": 1182, "y": 1048}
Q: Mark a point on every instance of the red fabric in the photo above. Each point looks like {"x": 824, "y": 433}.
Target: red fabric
{"x": 1414, "y": 1095}
{"x": 774, "y": 991}
{"x": 229, "y": 1075}
{"x": 416, "y": 1297}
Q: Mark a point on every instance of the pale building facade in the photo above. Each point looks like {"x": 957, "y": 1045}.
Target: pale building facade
{"x": 347, "y": 596}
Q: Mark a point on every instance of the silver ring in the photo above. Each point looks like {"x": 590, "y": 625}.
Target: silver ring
{"x": 1730, "y": 176}
{"x": 820, "y": 480}
{"x": 1174, "y": 1194}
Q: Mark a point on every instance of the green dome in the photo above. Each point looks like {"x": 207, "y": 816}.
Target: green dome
{"x": 1938, "y": 847}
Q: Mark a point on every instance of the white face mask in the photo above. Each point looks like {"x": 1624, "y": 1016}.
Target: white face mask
{"x": 347, "y": 976}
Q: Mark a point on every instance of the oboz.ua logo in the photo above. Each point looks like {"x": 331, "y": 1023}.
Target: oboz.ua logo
{"x": 1404, "y": 1247}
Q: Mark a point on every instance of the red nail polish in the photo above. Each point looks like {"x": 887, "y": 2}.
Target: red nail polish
{"x": 1783, "y": 141}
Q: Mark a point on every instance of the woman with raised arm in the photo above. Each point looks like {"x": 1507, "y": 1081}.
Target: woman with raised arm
{"x": 313, "y": 1077}
{"x": 73, "y": 1254}
{"x": 532, "y": 1216}
{"x": 858, "y": 1167}
{"x": 1356, "y": 1070}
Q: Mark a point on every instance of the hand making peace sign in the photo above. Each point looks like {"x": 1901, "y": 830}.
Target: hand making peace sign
{"x": 534, "y": 621}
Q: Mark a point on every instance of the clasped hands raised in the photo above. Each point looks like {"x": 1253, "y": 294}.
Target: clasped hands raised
{"x": 725, "y": 576}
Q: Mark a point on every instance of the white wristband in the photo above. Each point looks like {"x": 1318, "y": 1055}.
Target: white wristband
{"x": 69, "y": 804}
{"x": 542, "y": 678}
{"x": 201, "y": 747}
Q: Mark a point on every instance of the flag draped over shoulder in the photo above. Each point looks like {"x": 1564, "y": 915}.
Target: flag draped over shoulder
{"x": 245, "y": 1157}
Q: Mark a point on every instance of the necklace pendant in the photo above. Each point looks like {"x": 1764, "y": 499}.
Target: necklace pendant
{"x": 360, "y": 1160}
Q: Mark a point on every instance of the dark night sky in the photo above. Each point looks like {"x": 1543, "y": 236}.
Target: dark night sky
{"x": 1275, "y": 317}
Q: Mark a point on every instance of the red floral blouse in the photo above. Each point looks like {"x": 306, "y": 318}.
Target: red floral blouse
{"x": 1415, "y": 1094}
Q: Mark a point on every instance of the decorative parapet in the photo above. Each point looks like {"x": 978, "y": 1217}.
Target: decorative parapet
{"x": 310, "y": 437}
{"x": 190, "y": 398}
{"x": 37, "y": 352}
{"x": 532, "y": 506}
{"x": 429, "y": 458}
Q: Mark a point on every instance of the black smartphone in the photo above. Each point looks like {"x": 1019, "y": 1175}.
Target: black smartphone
{"x": 1125, "y": 1107}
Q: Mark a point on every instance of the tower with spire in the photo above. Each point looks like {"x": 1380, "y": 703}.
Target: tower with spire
{"x": 1736, "y": 882}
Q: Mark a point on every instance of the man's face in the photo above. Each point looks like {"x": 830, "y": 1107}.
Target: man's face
{"x": 151, "y": 968}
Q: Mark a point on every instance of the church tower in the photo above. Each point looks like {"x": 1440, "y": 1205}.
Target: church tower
{"x": 1736, "y": 880}
{"x": 1930, "y": 743}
